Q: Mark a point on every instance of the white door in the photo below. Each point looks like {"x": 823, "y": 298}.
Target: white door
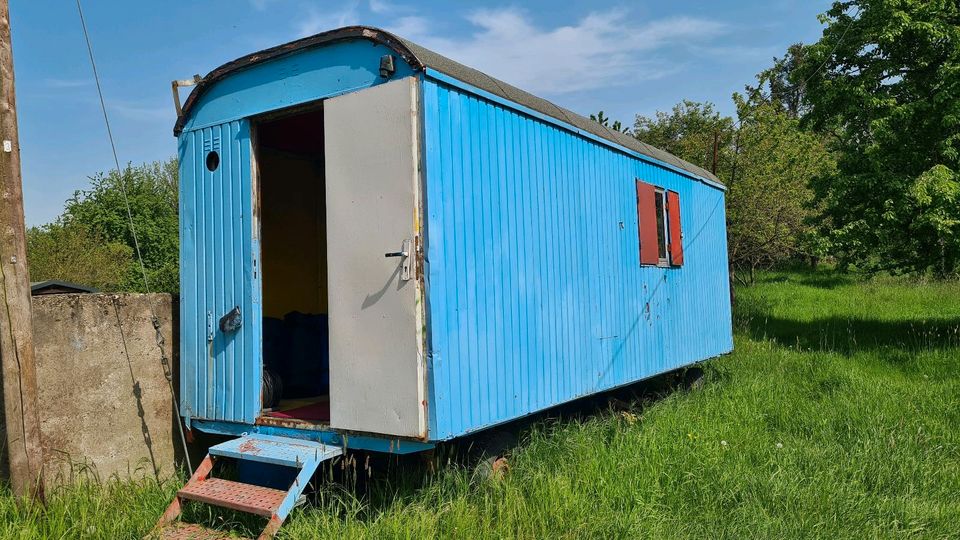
{"x": 372, "y": 180}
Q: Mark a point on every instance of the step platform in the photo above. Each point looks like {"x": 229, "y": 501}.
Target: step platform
{"x": 304, "y": 457}
{"x": 189, "y": 531}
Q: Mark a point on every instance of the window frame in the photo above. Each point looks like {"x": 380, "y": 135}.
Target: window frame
{"x": 663, "y": 246}
{"x": 655, "y": 226}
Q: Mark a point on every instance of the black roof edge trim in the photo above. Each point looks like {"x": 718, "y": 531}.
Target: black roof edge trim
{"x": 348, "y": 32}
{"x": 420, "y": 58}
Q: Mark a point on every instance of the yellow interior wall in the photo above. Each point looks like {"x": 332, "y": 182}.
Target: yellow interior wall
{"x": 292, "y": 233}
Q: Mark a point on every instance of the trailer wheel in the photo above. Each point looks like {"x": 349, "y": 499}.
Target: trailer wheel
{"x": 693, "y": 378}
{"x": 494, "y": 449}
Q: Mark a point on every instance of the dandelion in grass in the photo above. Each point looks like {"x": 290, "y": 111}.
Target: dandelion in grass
{"x": 779, "y": 445}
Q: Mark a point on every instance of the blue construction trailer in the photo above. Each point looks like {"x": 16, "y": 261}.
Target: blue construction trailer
{"x": 382, "y": 249}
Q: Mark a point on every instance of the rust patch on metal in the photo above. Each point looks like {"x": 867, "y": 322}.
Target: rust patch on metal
{"x": 249, "y": 446}
{"x": 188, "y": 531}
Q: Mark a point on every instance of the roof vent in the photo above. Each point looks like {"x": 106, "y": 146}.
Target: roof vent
{"x": 387, "y": 68}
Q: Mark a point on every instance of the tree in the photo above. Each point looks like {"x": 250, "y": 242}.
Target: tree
{"x": 152, "y": 191}
{"x": 605, "y": 122}
{"x": 884, "y": 83}
{"x": 688, "y": 131}
{"x": 767, "y": 162}
{"x": 776, "y": 84}
{"x": 73, "y": 253}
{"x": 770, "y": 203}
{"x": 935, "y": 201}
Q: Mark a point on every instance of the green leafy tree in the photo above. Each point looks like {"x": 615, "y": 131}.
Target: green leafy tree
{"x": 777, "y": 84}
{"x": 152, "y": 191}
{"x": 767, "y": 162}
{"x": 604, "y": 121}
{"x": 770, "y": 203}
{"x": 73, "y": 253}
{"x": 884, "y": 83}
{"x": 935, "y": 202}
{"x": 690, "y": 131}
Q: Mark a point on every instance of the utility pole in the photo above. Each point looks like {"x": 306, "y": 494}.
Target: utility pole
{"x": 716, "y": 147}
{"x": 22, "y": 419}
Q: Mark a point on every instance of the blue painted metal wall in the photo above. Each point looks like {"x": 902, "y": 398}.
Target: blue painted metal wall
{"x": 219, "y": 253}
{"x": 535, "y": 291}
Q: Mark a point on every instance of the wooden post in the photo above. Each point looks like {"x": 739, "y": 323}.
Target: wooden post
{"x": 716, "y": 147}
{"x": 24, "y": 450}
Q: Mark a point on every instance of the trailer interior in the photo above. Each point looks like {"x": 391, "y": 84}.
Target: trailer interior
{"x": 293, "y": 254}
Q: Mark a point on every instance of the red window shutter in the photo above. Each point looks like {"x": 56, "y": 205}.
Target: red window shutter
{"x": 647, "y": 218}
{"x": 676, "y": 236}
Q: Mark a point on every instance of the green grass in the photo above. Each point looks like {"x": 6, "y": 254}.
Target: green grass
{"x": 838, "y": 416}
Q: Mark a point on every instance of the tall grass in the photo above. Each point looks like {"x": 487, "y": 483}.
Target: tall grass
{"x": 836, "y": 417}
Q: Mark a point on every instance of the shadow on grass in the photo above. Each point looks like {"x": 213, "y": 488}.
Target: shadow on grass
{"x": 820, "y": 279}
{"x": 847, "y": 335}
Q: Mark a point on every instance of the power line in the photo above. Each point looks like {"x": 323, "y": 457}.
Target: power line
{"x": 823, "y": 64}
{"x": 853, "y": 18}
{"x": 133, "y": 232}
{"x": 113, "y": 147}
{"x": 802, "y": 85}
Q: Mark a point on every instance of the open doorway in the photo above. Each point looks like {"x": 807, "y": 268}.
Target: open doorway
{"x": 293, "y": 254}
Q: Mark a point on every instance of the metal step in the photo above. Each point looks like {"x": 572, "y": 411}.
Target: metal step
{"x": 275, "y": 450}
{"x": 262, "y": 501}
{"x": 274, "y": 504}
{"x": 190, "y": 531}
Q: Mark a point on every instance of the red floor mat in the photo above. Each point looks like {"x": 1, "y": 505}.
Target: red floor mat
{"x": 318, "y": 412}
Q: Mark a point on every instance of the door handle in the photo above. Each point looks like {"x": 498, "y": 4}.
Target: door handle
{"x": 406, "y": 265}
{"x": 231, "y": 321}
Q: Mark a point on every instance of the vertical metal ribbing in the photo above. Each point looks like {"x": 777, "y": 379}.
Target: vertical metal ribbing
{"x": 537, "y": 295}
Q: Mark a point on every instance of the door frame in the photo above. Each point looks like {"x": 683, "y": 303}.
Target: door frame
{"x": 255, "y": 180}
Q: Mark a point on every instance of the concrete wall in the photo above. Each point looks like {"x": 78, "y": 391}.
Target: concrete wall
{"x": 105, "y": 405}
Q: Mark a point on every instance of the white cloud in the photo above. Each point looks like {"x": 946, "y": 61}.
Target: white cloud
{"x": 67, "y": 83}
{"x": 316, "y": 20}
{"x": 408, "y": 26}
{"x": 262, "y": 5}
{"x": 383, "y": 7}
{"x": 602, "y": 49}
{"x": 141, "y": 112}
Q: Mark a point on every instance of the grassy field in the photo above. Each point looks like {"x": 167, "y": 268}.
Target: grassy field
{"x": 838, "y": 416}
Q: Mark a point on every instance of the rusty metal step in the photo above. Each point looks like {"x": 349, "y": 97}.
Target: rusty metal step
{"x": 274, "y": 504}
{"x": 190, "y": 531}
{"x": 259, "y": 500}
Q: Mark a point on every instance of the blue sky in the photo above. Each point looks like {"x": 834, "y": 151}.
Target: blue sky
{"x": 626, "y": 58}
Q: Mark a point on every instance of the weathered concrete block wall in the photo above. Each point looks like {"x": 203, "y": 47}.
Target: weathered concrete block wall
{"x": 105, "y": 404}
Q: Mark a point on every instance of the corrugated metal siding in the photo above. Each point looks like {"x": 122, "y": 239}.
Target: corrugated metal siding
{"x": 536, "y": 295}
{"x": 219, "y": 254}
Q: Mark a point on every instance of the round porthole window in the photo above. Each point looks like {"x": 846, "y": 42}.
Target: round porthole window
{"x": 213, "y": 160}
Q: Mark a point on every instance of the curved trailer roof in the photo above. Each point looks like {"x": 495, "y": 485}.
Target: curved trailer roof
{"x": 420, "y": 59}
